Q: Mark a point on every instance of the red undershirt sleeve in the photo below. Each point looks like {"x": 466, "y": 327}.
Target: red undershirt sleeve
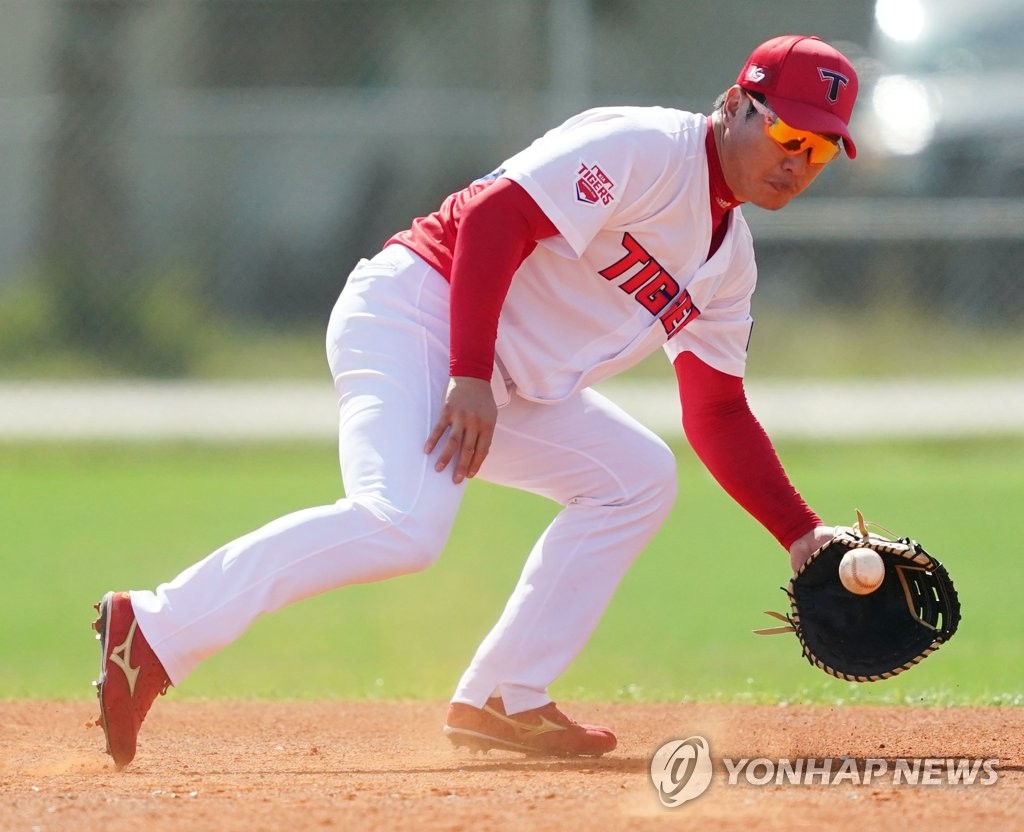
{"x": 731, "y": 443}
{"x": 498, "y": 229}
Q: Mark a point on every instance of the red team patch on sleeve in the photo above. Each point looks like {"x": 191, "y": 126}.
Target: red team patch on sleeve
{"x": 592, "y": 185}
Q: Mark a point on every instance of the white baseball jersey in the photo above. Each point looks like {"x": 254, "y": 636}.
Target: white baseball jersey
{"x": 628, "y": 190}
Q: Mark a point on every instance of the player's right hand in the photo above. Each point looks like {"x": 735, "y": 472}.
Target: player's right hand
{"x": 468, "y": 415}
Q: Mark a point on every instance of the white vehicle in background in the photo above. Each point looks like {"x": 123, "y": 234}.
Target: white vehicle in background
{"x": 929, "y": 218}
{"x": 945, "y": 98}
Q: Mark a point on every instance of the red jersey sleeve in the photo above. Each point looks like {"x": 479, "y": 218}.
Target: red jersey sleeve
{"x": 731, "y": 443}
{"x": 498, "y": 228}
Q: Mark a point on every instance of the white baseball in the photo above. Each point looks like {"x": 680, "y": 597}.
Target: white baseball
{"x": 862, "y": 571}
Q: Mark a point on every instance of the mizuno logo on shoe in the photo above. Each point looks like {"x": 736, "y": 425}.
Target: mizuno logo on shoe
{"x": 122, "y": 657}
{"x": 545, "y": 726}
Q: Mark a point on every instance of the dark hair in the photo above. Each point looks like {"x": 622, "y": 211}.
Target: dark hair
{"x": 751, "y": 112}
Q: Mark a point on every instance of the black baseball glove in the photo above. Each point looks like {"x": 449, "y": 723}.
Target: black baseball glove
{"x": 864, "y": 638}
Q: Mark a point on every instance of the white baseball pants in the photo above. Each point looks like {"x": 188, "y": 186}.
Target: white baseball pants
{"x": 387, "y": 343}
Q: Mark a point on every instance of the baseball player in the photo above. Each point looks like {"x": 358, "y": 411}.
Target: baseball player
{"x": 468, "y": 346}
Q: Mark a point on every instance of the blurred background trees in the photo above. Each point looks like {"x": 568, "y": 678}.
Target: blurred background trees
{"x": 186, "y": 185}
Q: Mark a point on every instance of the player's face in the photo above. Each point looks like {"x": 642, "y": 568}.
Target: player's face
{"x": 757, "y": 168}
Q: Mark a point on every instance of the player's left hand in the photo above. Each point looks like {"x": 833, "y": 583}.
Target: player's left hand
{"x": 805, "y": 546}
{"x": 469, "y": 415}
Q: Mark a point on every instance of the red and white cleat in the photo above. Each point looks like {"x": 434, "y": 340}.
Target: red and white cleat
{"x": 542, "y": 731}
{"x": 131, "y": 676}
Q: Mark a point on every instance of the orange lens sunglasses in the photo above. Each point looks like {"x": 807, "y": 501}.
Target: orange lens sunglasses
{"x": 794, "y": 142}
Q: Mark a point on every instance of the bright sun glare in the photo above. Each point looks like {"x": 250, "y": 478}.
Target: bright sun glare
{"x": 901, "y": 20}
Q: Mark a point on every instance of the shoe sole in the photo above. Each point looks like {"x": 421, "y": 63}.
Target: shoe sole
{"x": 102, "y": 627}
{"x": 475, "y": 741}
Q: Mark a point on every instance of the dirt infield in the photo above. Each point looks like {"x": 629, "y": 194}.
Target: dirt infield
{"x": 385, "y": 765}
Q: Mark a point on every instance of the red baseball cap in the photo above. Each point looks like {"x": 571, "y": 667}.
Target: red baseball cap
{"x": 807, "y": 83}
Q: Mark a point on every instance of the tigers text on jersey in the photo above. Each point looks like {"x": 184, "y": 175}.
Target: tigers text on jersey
{"x": 628, "y": 190}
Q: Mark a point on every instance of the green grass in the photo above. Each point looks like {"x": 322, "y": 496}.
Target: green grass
{"x": 80, "y": 519}
{"x": 871, "y": 343}
{"x": 874, "y": 343}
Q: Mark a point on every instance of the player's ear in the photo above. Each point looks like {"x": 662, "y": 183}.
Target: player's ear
{"x": 735, "y": 104}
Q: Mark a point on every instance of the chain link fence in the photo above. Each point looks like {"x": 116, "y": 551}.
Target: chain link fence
{"x": 179, "y": 168}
